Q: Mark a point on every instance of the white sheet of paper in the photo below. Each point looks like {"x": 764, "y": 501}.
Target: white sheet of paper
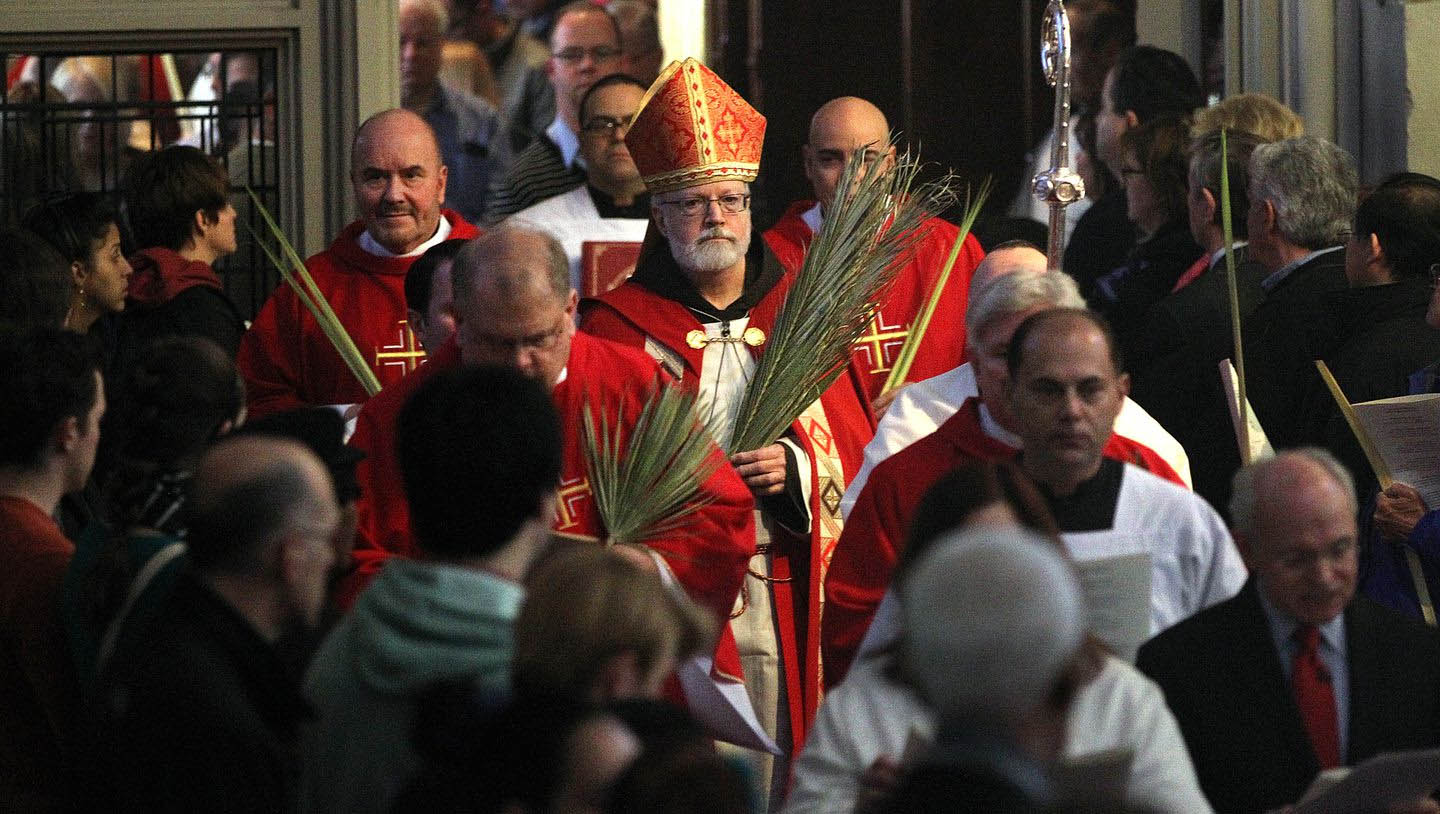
{"x": 1381, "y": 781}
{"x": 1406, "y": 432}
{"x": 1260, "y": 448}
{"x": 1117, "y": 598}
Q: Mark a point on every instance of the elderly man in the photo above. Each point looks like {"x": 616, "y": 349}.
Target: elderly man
{"x": 923, "y": 407}
{"x": 467, "y": 127}
{"x": 1193, "y": 564}
{"x": 839, "y": 128}
{"x": 612, "y": 204}
{"x": 479, "y": 450}
{"x": 514, "y": 306}
{"x": 703, "y": 304}
{"x": 1302, "y": 202}
{"x": 1295, "y": 674}
{"x": 584, "y": 46}
{"x": 203, "y": 692}
{"x": 399, "y": 182}
{"x": 641, "y": 53}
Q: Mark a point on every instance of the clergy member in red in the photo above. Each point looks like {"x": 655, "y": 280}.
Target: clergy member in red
{"x": 982, "y": 428}
{"x": 704, "y": 305}
{"x": 840, "y": 127}
{"x": 514, "y": 306}
{"x": 399, "y": 186}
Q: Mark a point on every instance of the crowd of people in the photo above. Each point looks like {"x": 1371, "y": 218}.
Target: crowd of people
{"x": 1041, "y": 573}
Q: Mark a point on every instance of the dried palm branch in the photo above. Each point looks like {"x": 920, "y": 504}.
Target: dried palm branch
{"x": 901, "y": 368}
{"x": 867, "y": 236}
{"x": 292, "y": 270}
{"x": 648, "y": 486}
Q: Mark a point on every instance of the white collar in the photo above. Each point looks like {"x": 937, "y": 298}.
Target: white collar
{"x": 813, "y": 218}
{"x": 369, "y": 244}
{"x": 992, "y": 428}
{"x": 566, "y": 139}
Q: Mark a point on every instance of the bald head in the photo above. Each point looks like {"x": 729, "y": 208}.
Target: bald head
{"x": 248, "y": 492}
{"x": 399, "y": 179}
{"x": 1007, "y": 258}
{"x": 840, "y": 127}
{"x": 513, "y": 303}
{"x": 422, "y": 27}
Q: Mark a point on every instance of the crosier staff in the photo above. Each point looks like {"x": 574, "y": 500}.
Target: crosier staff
{"x": 1059, "y": 186}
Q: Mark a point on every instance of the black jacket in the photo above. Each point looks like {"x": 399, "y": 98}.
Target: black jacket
{"x": 1283, "y": 337}
{"x": 1223, "y": 680}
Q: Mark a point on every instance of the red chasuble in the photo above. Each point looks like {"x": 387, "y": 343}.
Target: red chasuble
{"x": 943, "y": 347}
{"x": 834, "y": 433}
{"x": 287, "y": 360}
{"x": 709, "y": 556}
{"x": 875, "y": 533}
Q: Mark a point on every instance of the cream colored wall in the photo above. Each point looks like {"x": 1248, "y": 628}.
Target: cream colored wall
{"x": 1422, "y": 42}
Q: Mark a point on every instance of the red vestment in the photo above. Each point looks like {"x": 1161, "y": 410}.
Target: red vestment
{"x": 943, "y": 347}
{"x": 287, "y": 360}
{"x": 708, "y": 556}
{"x": 636, "y": 316}
{"x": 876, "y": 530}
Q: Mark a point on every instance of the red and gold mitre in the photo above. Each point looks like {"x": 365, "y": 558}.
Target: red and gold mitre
{"x": 693, "y": 129}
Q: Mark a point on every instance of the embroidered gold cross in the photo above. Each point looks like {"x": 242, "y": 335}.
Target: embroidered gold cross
{"x": 404, "y": 352}
{"x": 566, "y": 499}
{"x": 879, "y": 337}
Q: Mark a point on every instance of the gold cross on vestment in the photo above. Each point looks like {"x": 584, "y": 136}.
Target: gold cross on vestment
{"x": 404, "y": 352}
{"x": 567, "y": 499}
{"x": 880, "y": 337}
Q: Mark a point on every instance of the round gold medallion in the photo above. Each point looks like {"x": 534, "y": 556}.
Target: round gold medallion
{"x": 696, "y": 339}
{"x": 754, "y": 337}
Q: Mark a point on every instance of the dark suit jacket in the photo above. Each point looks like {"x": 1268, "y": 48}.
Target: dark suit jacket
{"x": 1283, "y": 337}
{"x": 1175, "y": 375}
{"x": 1222, "y": 679}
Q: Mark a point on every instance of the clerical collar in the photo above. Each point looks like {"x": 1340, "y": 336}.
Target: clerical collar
{"x": 992, "y": 428}
{"x": 813, "y": 218}
{"x": 1092, "y": 506}
{"x": 569, "y": 143}
{"x": 372, "y": 246}
{"x": 606, "y": 206}
{"x": 661, "y": 274}
{"x": 1280, "y": 274}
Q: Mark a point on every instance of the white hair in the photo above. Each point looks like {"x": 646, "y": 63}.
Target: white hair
{"x": 1019, "y": 291}
{"x": 992, "y": 617}
{"x": 1244, "y": 499}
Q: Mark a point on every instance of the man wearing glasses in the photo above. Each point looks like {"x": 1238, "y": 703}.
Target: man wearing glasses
{"x": 612, "y": 205}
{"x": 584, "y": 46}
{"x": 703, "y": 302}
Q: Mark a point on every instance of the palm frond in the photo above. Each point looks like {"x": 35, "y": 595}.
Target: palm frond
{"x": 906, "y": 357}
{"x": 867, "y": 237}
{"x": 1233, "y": 286}
{"x": 293, "y": 272}
{"x": 649, "y": 486}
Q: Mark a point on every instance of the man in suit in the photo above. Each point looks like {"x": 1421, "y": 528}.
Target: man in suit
{"x": 1295, "y": 674}
{"x": 1175, "y": 374}
{"x": 1302, "y": 202}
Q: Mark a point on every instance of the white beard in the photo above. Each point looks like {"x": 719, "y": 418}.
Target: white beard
{"x": 710, "y": 255}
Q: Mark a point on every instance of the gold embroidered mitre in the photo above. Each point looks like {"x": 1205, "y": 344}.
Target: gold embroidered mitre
{"x": 692, "y": 129}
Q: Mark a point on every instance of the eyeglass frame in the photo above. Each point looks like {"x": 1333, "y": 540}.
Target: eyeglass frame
{"x": 607, "y": 124}
{"x": 575, "y": 54}
{"x": 702, "y": 205}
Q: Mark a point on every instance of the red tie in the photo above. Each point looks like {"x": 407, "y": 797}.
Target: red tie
{"x": 1316, "y": 698}
{"x": 1198, "y": 268}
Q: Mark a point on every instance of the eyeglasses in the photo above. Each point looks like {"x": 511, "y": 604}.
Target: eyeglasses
{"x": 574, "y": 55}
{"x": 607, "y": 124}
{"x": 733, "y": 204}
{"x": 505, "y": 345}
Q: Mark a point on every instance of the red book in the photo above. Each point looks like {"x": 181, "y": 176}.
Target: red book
{"x": 605, "y": 264}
